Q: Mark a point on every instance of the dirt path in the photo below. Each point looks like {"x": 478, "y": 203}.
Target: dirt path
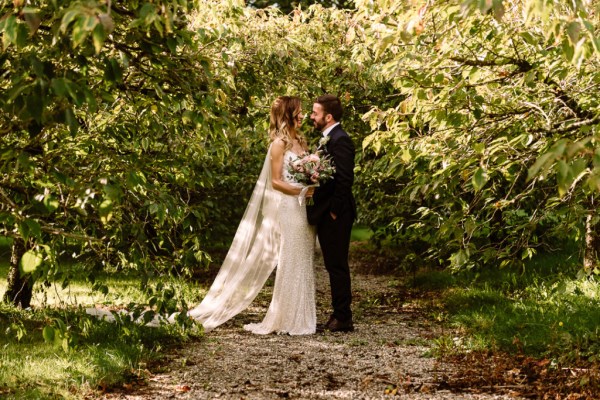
{"x": 387, "y": 355}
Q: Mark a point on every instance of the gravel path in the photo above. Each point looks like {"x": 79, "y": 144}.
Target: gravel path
{"x": 387, "y": 355}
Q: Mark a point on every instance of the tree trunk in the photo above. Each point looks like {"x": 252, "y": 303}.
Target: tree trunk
{"x": 592, "y": 239}
{"x": 20, "y": 288}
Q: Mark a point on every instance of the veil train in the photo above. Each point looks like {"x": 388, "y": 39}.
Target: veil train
{"x": 252, "y": 257}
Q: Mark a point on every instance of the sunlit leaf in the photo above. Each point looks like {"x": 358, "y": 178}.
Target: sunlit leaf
{"x": 350, "y": 35}
{"x": 48, "y": 334}
{"x": 98, "y": 36}
{"x": 573, "y": 30}
{"x": 105, "y": 210}
{"x": 67, "y": 18}
{"x": 30, "y": 261}
{"x": 51, "y": 203}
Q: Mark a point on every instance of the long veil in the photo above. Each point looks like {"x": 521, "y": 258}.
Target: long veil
{"x": 250, "y": 260}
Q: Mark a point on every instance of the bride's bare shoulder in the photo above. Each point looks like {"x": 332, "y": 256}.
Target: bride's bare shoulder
{"x": 278, "y": 146}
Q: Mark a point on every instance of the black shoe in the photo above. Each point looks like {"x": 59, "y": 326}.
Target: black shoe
{"x": 335, "y": 325}
{"x": 323, "y": 327}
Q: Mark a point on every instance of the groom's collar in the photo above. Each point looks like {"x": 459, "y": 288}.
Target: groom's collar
{"x": 326, "y": 131}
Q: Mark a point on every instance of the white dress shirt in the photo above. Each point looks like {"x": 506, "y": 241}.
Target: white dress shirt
{"x": 326, "y": 131}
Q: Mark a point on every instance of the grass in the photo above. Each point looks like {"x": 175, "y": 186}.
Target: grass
{"x": 360, "y": 234}
{"x": 545, "y": 310}
{"x": 87, "y": 355}
{"x": 99, "y": 355}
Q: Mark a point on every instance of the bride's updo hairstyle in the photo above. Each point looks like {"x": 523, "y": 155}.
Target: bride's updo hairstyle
{"x": 284, "y": 113}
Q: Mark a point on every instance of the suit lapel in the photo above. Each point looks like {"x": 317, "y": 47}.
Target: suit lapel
{"x": 330, "y": 136}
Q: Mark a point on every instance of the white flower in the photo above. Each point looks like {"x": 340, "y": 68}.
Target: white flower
{"x": 324, "y": 140}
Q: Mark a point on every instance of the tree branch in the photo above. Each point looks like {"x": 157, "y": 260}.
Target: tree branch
{"x": 523, "y": 65}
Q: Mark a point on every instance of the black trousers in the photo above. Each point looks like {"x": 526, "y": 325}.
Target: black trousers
{"x": 334, "y": 238}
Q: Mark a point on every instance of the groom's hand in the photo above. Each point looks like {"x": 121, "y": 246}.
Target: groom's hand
{"x": 333, "y": 216}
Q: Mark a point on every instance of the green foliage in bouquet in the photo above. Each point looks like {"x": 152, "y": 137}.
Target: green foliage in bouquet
{"x": 311, "y": 168}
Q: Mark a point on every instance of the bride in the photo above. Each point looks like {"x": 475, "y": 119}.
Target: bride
{"x": 274, "y": 232}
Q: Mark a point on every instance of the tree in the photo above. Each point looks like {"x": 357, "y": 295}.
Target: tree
{"x": 493, "y": 110}
{"x": 104, "y": 120}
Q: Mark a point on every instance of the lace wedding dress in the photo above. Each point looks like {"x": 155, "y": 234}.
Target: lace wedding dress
{"x": 292, "y": 309}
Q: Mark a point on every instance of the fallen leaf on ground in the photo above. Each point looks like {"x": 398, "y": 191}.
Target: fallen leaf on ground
{"x": 183, "y": 388}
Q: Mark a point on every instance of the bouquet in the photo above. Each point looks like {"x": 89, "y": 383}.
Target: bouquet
{"x": 311, "y": 169}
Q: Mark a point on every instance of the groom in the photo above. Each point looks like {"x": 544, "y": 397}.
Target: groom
{"x": 334, "y": 209}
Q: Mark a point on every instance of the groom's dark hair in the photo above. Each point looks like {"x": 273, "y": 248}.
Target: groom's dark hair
{"x": 332, "y": 105}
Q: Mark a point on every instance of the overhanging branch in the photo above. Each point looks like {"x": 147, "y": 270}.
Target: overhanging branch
{"x": 523, "y": 65}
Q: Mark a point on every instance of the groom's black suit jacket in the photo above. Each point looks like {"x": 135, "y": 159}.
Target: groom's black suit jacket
{"x": 335, "y": 195}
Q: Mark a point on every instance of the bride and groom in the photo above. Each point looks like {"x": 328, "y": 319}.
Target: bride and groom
{"x": 278, "y": 231}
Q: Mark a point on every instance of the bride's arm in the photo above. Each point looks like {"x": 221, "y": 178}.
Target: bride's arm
{"x": 277, "y": 151}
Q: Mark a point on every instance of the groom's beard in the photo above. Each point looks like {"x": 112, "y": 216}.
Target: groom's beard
{"x": 319, "y": 124}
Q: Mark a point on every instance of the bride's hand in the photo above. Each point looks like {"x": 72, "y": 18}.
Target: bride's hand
{"x": 310, "y": 192}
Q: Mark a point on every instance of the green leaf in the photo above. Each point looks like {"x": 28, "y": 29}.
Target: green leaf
{"x": 527, "y": 253}
{"x": 564, "y": 177}
{"x": 113, "y": 71}
{"x": 67, "y": 19}
{"x": 479, "y": 179}
{"x": 48, "y": 333}
{"x": 147, "y": 12}
{"x": 573, "y": 30}
{"x": 51, "y": 203}
{"x": 35, "y": 105}
{"x": 98, "y": 37}
{"x": 59, "y": 86}
{"x": 172, "y": 45}
{"x": 30, "y": 228}
{"x": 568, "y": 49}
{"x": 529, "y": 38}
{"x": 135, "y": 178}
{"x": 113, "y": 192}
{"x": 89, "y": 99}
{"x": 75, "y": 92}
{"x": 90, "y": 22}
{"x": 22, "y": 35}
{"x": 153, "y": 209}
{"x": 593, "y": 182}
{"x": 105, "y": 211}
{"x": 71, "y": 121}
{"x": 579, "y": 166}
{"x": 9, "y": 31}
{"x": 459, "y": 258}
{"x": 30, "y": 261}
{"x": 541, "y": 164}
{"x": 79, "y": 32}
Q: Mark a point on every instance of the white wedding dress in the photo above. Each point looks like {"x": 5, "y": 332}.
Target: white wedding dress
{"x": 292, "y": 309}
{"x": 274, "y": 232}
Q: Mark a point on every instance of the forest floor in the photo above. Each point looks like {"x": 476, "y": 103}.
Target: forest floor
{"x": 393, "y": 352}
